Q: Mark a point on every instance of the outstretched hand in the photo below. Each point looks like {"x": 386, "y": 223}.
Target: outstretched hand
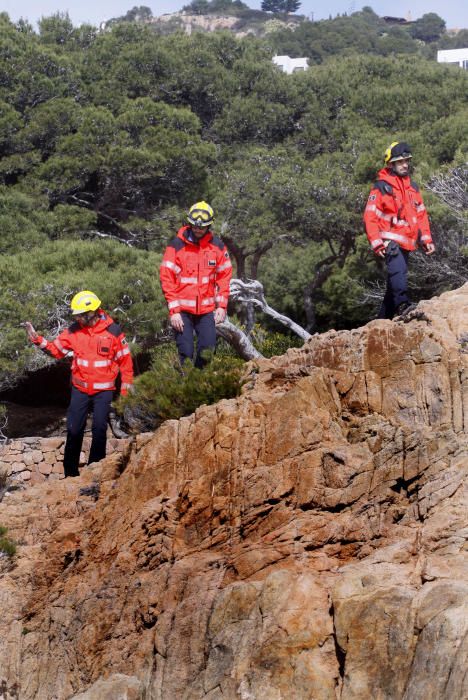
{"x": 30, "y": 330}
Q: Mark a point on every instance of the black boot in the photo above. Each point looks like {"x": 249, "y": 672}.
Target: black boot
{"x": 404, "y": 308}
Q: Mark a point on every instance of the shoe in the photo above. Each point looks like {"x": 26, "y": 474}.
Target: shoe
{"x": 404, "y": 308}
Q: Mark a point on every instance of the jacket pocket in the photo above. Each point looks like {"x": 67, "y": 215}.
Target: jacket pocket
{"x": 104, "y": 347}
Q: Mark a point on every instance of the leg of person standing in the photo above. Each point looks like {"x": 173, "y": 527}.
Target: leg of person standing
{"x": 205, "y": 330}
{"x": 101, "y": 409}
{"x": 76, "y": 422}
{"x": 396, "y": 293}
{"x": 184, "y": 339}
{"x": 386, "y": 308}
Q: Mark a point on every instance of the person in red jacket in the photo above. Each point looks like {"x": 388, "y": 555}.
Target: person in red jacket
{"x": 396, "y": 223}
{"x": 195, "y": 274}
{"x": 100, "y": 352}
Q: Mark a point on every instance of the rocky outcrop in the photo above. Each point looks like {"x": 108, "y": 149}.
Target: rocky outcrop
{"x": 304, "y": 541}
{"x": 189, "y": 23}
{"x": 240, "y": 26}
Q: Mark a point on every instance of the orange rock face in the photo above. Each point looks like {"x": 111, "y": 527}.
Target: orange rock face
{"x": 304, "y": 541}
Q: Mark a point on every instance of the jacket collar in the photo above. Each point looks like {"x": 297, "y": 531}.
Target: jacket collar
{"x": 103, "y": 322}
{"x": 185, "y": 233}
{"x": 401, "y": 183}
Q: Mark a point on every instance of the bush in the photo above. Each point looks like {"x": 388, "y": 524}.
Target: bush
{"x": 271, "y": 344}
{"x": 7, "y": 546}
{"x": 165, "y": 391}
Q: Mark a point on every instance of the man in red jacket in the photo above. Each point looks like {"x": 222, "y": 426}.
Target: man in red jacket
{"x": 100, "y": 352}
{"x": 396, "y": 223}
{"x": 195, "y": 275}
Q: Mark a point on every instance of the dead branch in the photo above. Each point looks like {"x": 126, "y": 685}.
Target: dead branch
{"x": 252, "y": 292}
{"x": 236, "y": 337}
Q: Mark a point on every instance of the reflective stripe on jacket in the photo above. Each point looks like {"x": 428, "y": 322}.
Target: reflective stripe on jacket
{"x": 99, "y": 353}
{"x": 395, "y": 212}
{"x": 195, "y": 275}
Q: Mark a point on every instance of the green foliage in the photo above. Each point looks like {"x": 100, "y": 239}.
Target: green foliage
{"x": 271, "y": 343}
{"x": 164, "y": 391}
{"x": 38, "y": 287}
{"x": 7, "y": 545}
{"x": 454, "y": 41}
{"x": 113, "y": 134}
{"x": 429, "y": 27}
{"x": 280, "y": 5}
{"x": 198, "y": 7}
{"x": 138, "y": 14}
{"x": 221, "y": 7}
{"x": 56, "y": 29}
{"x": 361, "y": 33}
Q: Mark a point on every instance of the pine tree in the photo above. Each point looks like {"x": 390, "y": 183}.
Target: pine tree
{"x": 291, "y": 6}
{"x": 272, "y": 5}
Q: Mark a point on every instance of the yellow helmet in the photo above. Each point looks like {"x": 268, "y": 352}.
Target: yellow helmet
{"x": 398, "y": 150}
{"x": 200, "y": 214}
{"x": 84, "y": 301}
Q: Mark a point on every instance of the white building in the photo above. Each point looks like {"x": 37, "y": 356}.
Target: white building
{"x": 458, "y": 56}
{"x": 290, "y": 65}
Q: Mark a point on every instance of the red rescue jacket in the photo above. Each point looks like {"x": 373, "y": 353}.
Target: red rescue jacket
{"x": 395, "y": 212}
{"x": 195, "y": 276}
{"x": 99, "y": 353}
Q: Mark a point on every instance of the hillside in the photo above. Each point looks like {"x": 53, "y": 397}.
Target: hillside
{"x": 362, "y": 31}
{"x": 304, "y": 541}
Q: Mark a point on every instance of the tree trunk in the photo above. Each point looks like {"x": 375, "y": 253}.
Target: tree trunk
{"x": 237, "y": 253}
{"x": 309, "y": 308}
{"x": 249, "y": 312}
{"x": 323, "y": 270}
{"x": 238, "y": 339}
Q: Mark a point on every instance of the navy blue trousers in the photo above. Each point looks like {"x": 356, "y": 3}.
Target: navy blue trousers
{"x": 396, "y": 260}
{"x": 76, "y": 422}
{"x": 203, "y": 325}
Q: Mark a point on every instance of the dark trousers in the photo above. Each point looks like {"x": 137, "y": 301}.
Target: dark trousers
{"x": 396, "y": 260}
{"x": 76, "y": 422}
{"x": 203, "y": 325}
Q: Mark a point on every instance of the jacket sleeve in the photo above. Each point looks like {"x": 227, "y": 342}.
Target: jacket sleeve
{"x": 425, "y": 236}
{"x": 58, "y": 348}
{"x": 124, "y": 360}
{"x": 168, "y": 274}
{"x": 375, "y": 219}
{"x": 223, "y": 278}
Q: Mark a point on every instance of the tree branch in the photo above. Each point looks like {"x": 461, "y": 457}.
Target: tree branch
{"x": 252, "y": 292}
{"x": 238, "y": 339}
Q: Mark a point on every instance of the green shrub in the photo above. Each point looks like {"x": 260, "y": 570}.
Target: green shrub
{"x": 165, "y": 391}
{"x": 271, "y": 343}
{"x": 7, "y": 546}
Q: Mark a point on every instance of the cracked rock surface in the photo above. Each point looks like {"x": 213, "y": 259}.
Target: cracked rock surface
{"x": 304, "y": 541}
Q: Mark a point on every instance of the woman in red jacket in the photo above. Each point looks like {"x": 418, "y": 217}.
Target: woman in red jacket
{"x": 100, "y": 352}
{"x": 195, "y": 274}
{"x": 396, "y": 223}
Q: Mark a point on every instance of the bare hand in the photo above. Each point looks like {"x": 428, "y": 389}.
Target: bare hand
{"x": 219, "y": 315}
{"x": 177, "y": 322}
{"x": 381, "y": 253}
{"x": 32, "y": 335}
{"x": 430, "y": 248}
